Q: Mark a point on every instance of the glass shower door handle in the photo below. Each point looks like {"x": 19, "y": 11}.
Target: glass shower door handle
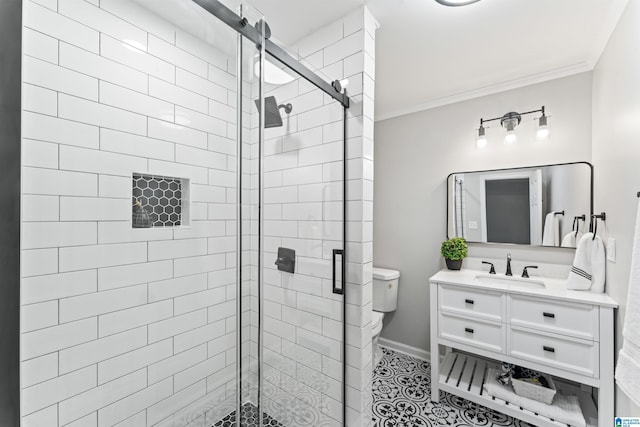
{"x": 338, "y": 282}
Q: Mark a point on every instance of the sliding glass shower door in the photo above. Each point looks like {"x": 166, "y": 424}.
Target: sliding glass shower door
{"x": 302, "y": 251}
{"x": 290, "y": 258}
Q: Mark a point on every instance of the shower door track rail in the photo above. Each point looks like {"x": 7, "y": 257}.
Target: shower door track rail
{"x": 227, "y": 16}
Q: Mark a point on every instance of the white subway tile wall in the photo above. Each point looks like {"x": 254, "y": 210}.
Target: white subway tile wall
{"x": 120, "y": 325}
{"x": 136, "y": 327}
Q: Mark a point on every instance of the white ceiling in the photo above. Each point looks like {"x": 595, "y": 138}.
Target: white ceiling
{"x": 429, "y": 55}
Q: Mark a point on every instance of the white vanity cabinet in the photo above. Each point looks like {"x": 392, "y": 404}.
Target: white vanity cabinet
{"x": 567, "y": 334}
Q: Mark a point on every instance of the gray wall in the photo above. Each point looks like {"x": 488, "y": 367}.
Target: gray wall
{"x": 564, "y": 197}
{"x": 10, "y": 51}
{"x": 416, "y": 152}
{"x": 616, "y": 132}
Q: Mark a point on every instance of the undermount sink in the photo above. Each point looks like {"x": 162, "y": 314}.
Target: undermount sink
{"x": 490, "y": 279}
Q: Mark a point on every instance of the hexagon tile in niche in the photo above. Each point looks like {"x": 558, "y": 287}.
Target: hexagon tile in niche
{"x": 160, "y": 198}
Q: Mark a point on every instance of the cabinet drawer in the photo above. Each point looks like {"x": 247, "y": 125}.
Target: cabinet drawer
{"x": 577, "y": 320}
{"x": 471, "y": 302}
{"x": 489, "y": 336}
{"x": 575, "y": 355}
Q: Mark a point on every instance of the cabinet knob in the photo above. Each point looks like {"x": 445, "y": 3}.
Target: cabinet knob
{"x": 550, "y": 315}
{"x": 468, "y": 330}
{"x": 468, "y": 301}
{"x": 549, "y": 349}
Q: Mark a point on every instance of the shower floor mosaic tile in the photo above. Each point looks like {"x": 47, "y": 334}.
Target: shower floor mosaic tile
{"x": 248, "y": 418}
{"x": 401, "y": 397}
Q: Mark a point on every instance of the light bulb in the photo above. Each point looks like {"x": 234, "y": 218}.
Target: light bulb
{"x": 543, "y": 132}
{"x": 481, "y": 142}
{"x": 510, "y": 138}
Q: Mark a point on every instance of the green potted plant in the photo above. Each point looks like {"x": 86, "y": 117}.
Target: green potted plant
{"x": 454, "y": 251}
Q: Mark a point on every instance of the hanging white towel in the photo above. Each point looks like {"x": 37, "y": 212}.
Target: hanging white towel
{"x": 628, "y": 367}
{"x": 570, "y": 240}
{"x": 588, "y": 269}
{"x": 628, "y": 371}
{"x": 551, "y": 232}
{"x": 598, "y": 264}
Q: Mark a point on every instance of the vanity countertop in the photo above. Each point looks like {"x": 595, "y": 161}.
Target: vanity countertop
{"x": 554, "y": 288}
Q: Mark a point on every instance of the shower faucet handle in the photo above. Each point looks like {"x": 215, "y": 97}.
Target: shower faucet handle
{"x": 286, "y": 260}
{"x": 492, "y": 270}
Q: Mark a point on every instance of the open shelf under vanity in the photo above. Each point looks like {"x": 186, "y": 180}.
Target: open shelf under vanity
{"x": 464, "y": 375}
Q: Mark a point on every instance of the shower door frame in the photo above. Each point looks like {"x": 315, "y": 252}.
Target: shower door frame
{"x": 10, "y": 176}
{"x": 242, "y": 26}
{"x": 266, "y": 46}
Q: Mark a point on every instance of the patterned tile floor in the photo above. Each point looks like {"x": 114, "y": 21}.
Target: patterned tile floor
{"x": 401, "y": 397}
{"x": 248, "y": 418}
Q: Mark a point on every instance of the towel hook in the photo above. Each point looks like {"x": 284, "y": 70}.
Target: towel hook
{"x": 576, "y": 223}
{"x": 559, "y": 213}
{"x": 595, "y": 218}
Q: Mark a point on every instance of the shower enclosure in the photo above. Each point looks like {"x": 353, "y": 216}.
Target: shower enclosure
{"x": 184, "y": 220}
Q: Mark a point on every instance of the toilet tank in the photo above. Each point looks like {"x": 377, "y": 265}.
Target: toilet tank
{"x": 385, "y": 289}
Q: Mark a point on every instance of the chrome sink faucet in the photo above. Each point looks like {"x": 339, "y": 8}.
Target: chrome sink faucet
{"x": 508, "y": 273}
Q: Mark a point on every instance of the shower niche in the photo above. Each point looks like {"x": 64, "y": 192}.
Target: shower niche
{"x": 159, "y": 201}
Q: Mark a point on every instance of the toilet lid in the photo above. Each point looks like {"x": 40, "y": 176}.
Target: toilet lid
{"x": 376, "y": 319}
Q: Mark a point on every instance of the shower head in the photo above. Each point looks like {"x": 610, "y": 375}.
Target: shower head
{"x": 272, "y": 118}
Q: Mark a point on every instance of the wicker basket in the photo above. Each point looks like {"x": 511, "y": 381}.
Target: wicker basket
{"x": 543, "y": 390}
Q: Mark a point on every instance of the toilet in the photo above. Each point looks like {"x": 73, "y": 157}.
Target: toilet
{"x": 385, "y": 300}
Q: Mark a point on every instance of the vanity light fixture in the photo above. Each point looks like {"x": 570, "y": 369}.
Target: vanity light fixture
{"x": 510, "y": 121}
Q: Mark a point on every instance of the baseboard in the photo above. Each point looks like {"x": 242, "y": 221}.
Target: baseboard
{"x": 405, "y": 349}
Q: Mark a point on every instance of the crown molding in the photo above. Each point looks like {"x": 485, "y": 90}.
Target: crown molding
{"x": 492, "y": 89}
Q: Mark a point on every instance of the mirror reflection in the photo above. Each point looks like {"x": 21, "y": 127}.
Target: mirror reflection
{"x": 539, "y": 205}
